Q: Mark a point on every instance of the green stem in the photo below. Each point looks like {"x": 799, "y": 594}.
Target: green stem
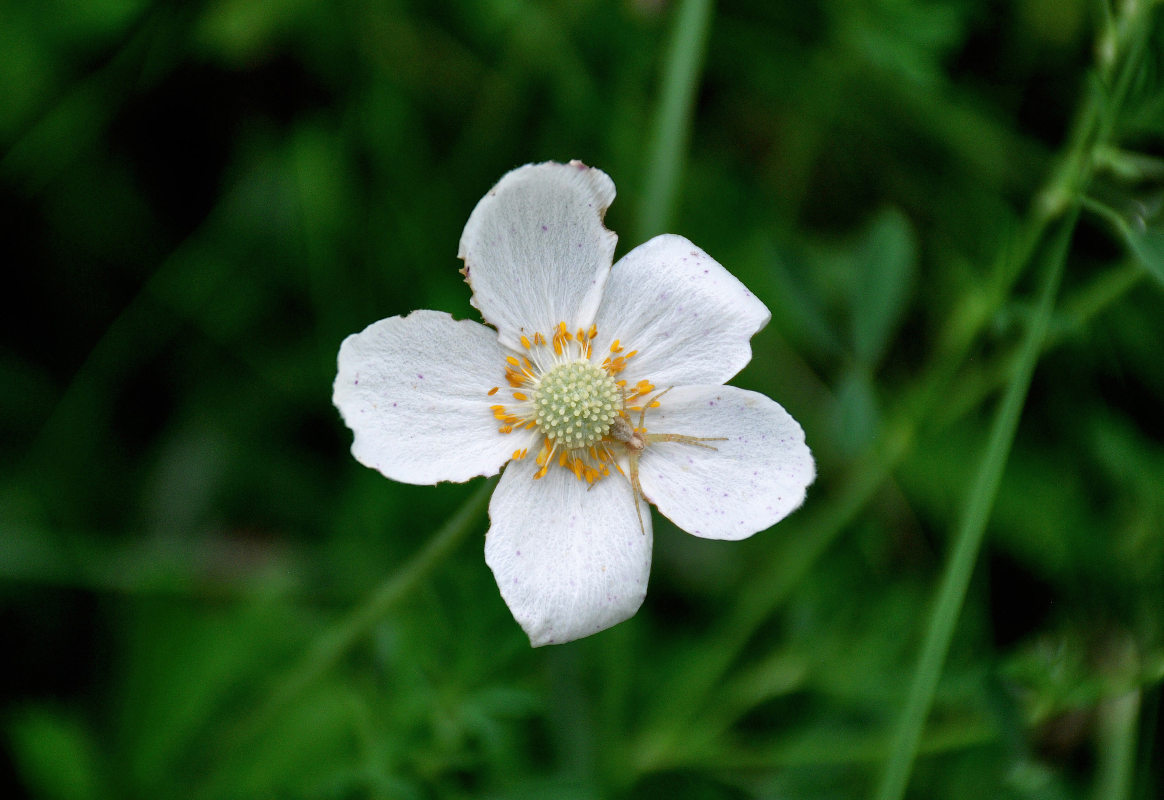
{"x": 818, "y": 527}
{"x": 1118, "y": 720}
{"x": 952, "y": 592}
{"x": 337, "y": 640}
{"x": 1074, "y": 314}
{"x": 673, "y": 121}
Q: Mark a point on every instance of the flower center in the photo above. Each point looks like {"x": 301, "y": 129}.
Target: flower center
{"x": 576, "y": 403}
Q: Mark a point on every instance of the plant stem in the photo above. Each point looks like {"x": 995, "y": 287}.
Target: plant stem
{"x": 673, "y": 120}
{"x": 338, "y": 639}
{"x": 952, "y": 591}
{"x": 819, "y": 527}
{"x": 1117, "y": 746}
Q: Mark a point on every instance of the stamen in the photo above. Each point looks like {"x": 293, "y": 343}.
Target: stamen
{"x": 574, "y": 403}
{"x": 546, "y": 454}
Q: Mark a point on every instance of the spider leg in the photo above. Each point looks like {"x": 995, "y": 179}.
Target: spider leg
{"x": 698, "y": 441}
{"x": 646, "y": 405}
{"x": 636, "y": 488}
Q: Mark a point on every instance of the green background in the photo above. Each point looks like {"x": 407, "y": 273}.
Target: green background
{"x": 204, "y": 596}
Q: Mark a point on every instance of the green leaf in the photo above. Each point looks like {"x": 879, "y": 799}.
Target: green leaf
{"x": 1147, "y": 246}
{"x": 885, "y": 262}
{"x": 859, "y": 417}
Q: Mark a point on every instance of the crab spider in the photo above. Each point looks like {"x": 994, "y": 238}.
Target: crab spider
{"x": 636, "y": 439}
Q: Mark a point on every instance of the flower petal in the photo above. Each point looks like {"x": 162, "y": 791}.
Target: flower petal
{"x": 569, "y": 558}
{"x": 414, "y": 390}
{"x": 688, "y": 317}
{"x": 750, "y": 481}
{"x": 536, "y": 252}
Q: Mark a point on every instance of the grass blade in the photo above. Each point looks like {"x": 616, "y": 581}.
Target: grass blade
{"x": 952, "y": 592}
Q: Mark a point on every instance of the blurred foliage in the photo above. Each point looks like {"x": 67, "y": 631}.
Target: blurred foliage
{"x": 201, "y": 199}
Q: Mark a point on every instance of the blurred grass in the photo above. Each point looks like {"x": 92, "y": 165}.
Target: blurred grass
{"x": 203, "y": 199}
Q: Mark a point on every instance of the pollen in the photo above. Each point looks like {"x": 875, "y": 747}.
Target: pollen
{"x": 576, "y": 403}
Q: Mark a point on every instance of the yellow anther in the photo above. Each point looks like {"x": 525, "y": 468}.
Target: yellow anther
{"x": 572, "y": 404}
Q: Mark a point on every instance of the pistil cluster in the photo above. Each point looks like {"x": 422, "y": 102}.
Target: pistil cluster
{"x": 572, "y": 401}
{"x": 576, "y": 403}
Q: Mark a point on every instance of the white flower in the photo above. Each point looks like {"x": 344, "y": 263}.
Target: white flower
{"x": 558, "y": 392}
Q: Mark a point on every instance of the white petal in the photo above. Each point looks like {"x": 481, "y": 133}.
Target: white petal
{"x": 536, "y": 252}
{"x": 688, "y": 317}
{"x": 749, "y": 482}
{"x": 414, "y": 390}
{"x": 570, "y": 560}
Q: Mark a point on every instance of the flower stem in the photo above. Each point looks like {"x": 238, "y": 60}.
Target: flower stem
{"x": 1118, "y": 721}
{"x": 673, "y": 120}
{"x": 339, "y": 638}
{"x": 952, "y": 591}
